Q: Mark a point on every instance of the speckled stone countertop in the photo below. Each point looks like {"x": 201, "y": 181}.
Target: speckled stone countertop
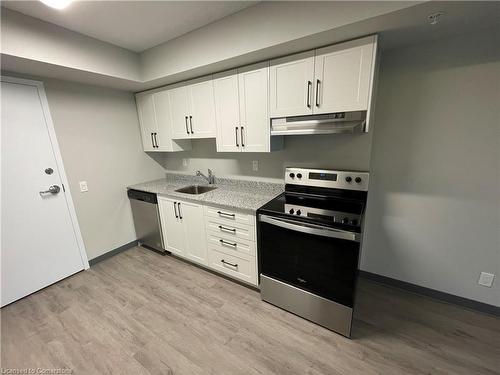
{"x": 230, "y": 193}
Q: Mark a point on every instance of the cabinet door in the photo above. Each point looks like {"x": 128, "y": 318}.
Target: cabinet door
{"x": 164, "y": 125}
{"x": 202, "y": 109}
{"x": 344, "y": 75}
{"x": 227, "y": 109}
{"x": 291, "y": 81}
{"x": 147, "y": 120}
{"x": 172, "y": 226}
{"x": 179, "y": 105}
{"x": 194, "y": 230}
{"x": 254, "y": 115}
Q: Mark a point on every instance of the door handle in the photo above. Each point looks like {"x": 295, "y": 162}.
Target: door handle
{"x": 242, "y": 141}
{"x": 186, "y": 120}
{"x": 223, "y": 213}
{"x": 175, "y": 210}
{"x": 317, "y": 92}
{"x": 228, "y": 243}
{"x": 191, "y": 123}
{"x": 156, "y": 140}
{"x": 236, "y": 132}
{"x": 227, "y": 229}
{"x": 54, "y": 189}
{"x": 179, "y": 209}
{"x": 309, "y": 86}
{"x": 152, "y": 140}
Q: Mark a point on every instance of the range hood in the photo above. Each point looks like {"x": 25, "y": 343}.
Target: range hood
{"x": 329, "y": 123}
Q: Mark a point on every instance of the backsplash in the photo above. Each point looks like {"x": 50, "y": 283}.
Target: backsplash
{"x": 333, "y": 151}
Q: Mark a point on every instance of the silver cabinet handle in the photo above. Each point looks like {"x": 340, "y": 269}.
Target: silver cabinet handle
{"x": 309, "y": 86}
{"x": 228, "y": 243}
{"x": 179, "y": 209}
{"x": 235, "y": 265}
{"x": 317, "y": 92}
{"x": 228, "y": 229}
{"x": 152, "y": 140}
{"x": 311, "y": 229}
{"x": 54, "y": 189}
{"x": 242, "y": 141}
{"x": 236, "y": 132}
{"x": 175, "y": 210}
{"x": 224, "y": 214}
{"x": 191, "y": 123}
{"x": 156, "y": 140}
{"x": 186, "y": 121}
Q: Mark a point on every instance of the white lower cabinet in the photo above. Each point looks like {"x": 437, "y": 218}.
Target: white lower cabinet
{"x": 183, "y": 229}
{"x": 220, "y": 239}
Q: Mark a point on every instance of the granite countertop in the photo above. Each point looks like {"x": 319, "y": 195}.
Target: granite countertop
{"x": 230, "y": 193}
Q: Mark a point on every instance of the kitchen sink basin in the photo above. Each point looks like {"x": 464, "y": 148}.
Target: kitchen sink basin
{"x": 196, "y": 189}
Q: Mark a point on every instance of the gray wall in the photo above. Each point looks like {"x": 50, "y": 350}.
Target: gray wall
{"x": 98, "y": 133}
{"x": 345, "y": 151}
{"x": 434, "y": 201}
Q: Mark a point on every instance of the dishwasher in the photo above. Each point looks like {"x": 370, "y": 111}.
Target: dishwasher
{"x": 146, "y": 219}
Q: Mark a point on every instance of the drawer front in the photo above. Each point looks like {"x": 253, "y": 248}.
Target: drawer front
{"x": 233, "y": 266}
{"x": 229, "y": 216}
{"x": 230, "y": 245}
{"x": 233, "y": 230}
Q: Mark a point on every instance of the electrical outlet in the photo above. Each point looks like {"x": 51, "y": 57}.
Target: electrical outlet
{"x": 184, "y": 162}
{"x": 83, "y": 186}
{"x": 486, "y": 279}
{"x": 255, "y": 165}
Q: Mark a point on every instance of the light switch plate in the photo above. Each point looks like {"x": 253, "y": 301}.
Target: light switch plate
{"x": 486, "y": 279}
{"x": 83, "y": 186}
{"x": 255, "y": 165}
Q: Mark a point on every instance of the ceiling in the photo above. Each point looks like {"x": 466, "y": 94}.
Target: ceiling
{"x": 134, "y": 25}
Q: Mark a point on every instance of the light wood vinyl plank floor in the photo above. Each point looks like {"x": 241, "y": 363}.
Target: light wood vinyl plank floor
{"x": 141, "y": 313}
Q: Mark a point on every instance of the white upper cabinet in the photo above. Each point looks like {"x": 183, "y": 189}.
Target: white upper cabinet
{"x": 291, "y": 85}
{"x": 156, "y": 123}
{"x": 202, "y": 109}
{"x": 227, "y": 109}
{"x": 147, "y": 120}
{"x": 241, "y": 101}
{"x": 179, "y": 102}
{"x": 255, "y": 128}
{"x": 343, "y": 76}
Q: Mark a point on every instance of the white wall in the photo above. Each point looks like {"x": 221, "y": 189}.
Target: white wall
{"x": 434, "y": 201}
{"x": 98, "y": 133}
{"x": 344, "y": 151}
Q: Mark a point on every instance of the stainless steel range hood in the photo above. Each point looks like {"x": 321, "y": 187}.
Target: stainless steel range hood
{"x": 330, "y": 123}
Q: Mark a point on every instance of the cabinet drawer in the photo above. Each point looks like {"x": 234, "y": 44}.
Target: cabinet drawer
{"x": 232, "y": 230}
{"x": 229, "y": 216}
{"x": 230, "y": 245}
{"x": 233, "y": 266}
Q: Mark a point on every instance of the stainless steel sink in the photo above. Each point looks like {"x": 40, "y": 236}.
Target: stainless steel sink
{"x": 196, "y": 189}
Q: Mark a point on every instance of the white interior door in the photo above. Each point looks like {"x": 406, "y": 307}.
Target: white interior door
{"x": 227, "y": 112}
{"x": 39, "y": 243}
{"x": 255, "y": 125}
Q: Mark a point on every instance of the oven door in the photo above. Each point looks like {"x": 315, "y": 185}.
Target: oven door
{"x": 318, "y": 259}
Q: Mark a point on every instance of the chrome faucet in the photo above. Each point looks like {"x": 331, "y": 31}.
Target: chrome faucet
{"x": 210, "y": 178}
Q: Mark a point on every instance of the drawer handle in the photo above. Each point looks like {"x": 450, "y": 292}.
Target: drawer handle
{"x": 228, "y": 243}
{"x": 235, "y": 265}
{"x": 228, "y": 229}
{"x": 225, "y": 214}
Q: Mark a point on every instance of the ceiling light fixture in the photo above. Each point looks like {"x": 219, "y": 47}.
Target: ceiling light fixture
{"x": 433, "y": 18}
{"x": 57, "y": 4}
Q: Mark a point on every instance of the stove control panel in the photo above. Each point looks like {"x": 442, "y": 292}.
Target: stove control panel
{"x": 350, "y": 180}
{"x": 317, "y": 213}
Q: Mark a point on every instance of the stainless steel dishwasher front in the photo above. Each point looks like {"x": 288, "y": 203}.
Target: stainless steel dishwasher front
{"x": 146, "y": 219}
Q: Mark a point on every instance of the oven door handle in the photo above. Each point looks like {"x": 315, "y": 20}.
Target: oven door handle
{"x": 311, "y": 229}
